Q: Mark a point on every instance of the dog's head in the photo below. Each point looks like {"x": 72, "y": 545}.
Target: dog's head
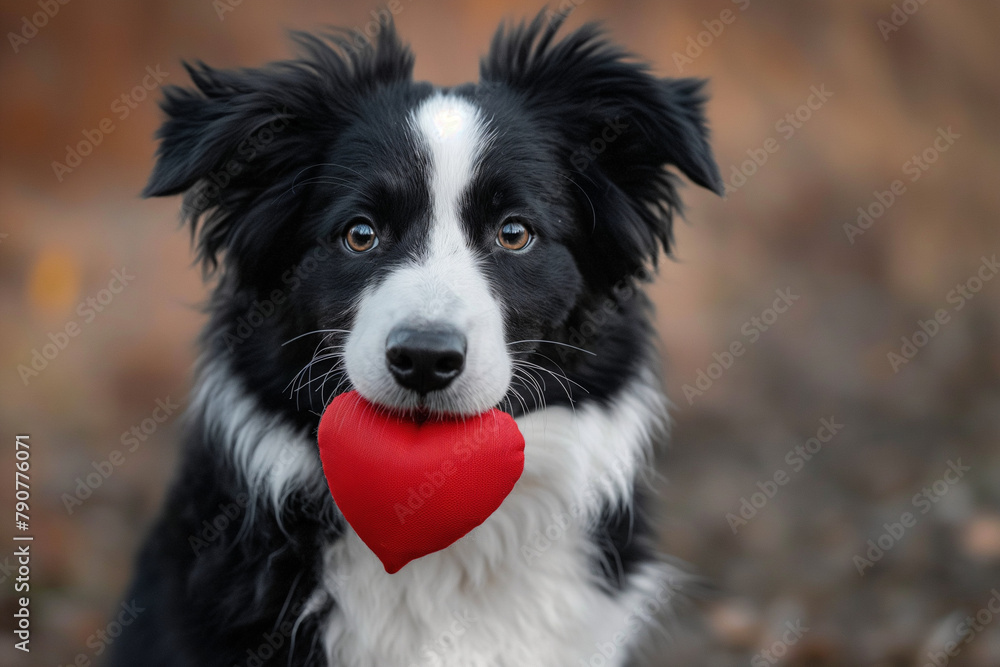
{"x": 432, "y": 237}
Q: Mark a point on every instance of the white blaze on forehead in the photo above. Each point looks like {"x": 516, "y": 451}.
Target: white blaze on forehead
{"x": 453, "y": 136}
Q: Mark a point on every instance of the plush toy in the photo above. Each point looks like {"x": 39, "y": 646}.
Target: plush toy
{"x": 411, "y": 488}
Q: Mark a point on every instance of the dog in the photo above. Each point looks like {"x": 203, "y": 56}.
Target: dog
{"x": 502, "y": 231}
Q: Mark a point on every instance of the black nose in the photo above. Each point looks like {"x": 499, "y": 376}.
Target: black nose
{"x": 425, "y": 359}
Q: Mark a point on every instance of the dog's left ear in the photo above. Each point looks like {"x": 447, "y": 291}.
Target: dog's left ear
{"x": 240, "y": 143}
{"x": 619, "y": 127}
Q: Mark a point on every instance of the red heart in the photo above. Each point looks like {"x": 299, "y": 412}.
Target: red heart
{"x": 409, "y": 489}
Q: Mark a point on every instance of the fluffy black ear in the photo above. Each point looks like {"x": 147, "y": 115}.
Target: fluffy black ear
{"x": 619, "y": 127}
{"x": 237, "y": 140}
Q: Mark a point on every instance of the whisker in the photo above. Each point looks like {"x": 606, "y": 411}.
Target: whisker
{"x": 320, "y": 360}
{"x": 318, "y": 356}
{"x": 309, "y": 333}
{"x": 529, "y": 367}
{"x": 295, "y": 182}
{"x": 336, "y": 368}
{"x": 540, "y": 400}
{"x": 517, "y": 395}
{"x": 554, "y": 342}
{"x": 593, "y": 211}
{"x": 558, "y": 376}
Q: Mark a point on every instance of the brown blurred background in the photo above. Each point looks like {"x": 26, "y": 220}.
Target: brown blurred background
{"x": 884, "y": 100}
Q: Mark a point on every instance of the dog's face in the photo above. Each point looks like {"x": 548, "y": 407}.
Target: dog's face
{"x": 433, "y": 238}
{"x": 445, "y": 277}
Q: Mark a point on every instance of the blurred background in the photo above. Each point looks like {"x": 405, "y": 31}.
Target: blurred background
{"x": 868, "y": 338}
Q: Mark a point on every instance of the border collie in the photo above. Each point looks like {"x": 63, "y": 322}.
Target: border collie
{"x": 511, "y": 222}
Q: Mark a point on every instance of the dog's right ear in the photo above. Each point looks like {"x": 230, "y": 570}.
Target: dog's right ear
{"x": 237, "y": 140}
{"x": 206, "y": 124}
{"x": 622, "y": 133}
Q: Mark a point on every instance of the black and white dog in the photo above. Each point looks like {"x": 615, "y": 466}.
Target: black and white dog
{"x": 506, "y": 225}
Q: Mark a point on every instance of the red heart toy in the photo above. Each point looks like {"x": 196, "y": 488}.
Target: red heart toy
{"x": 409, "y": 489}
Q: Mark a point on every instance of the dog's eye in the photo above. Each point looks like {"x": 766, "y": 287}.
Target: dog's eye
{"x": 360, "y": 237}
{"x": 514, "y": 235}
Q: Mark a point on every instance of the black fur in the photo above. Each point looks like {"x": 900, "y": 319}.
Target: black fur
{"x": 276, "y": 162}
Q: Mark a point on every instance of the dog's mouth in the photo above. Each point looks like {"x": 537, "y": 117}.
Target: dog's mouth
{"x": 420, "y": 414}
{"x": 420, "y": 408}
